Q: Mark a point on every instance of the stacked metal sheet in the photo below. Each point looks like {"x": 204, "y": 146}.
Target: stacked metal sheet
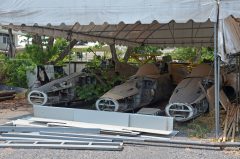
{"x": 50, "y": 134}
{"x": 59, "y": 134}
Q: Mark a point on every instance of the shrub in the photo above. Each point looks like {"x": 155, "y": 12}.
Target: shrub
{"x": 15, "y": 71}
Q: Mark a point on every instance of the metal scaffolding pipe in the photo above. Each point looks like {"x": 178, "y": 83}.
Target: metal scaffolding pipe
{"x": 216, "y": 75}
{"x": 49, "y": 129}
{"x": 63, "y": 145}
{"x": 189, "y": 143}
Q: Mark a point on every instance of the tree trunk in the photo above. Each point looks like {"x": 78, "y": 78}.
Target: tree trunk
{"x": 37, "y": 40}
{"x": 198, "y": 55}
{"x": 66, "y": 51}
{"x": 113, "y": 52}
{"x": 127, "y": 54}
{"x": 12, "y": 47}
{"x": 50, "y": 43}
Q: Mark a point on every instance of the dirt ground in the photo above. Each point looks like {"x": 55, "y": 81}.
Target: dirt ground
{"x": 13, "y": 109}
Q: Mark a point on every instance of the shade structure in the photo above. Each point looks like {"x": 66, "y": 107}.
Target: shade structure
{"x": 169, "y": 34}
{"x": 69, "y": 12}
{"x": 42, "y": 12}
{"x": 154, "y": 22}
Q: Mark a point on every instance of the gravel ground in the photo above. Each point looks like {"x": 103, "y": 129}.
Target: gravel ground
{"x": 130, "y": 151}
{"x": 133, "y": 152}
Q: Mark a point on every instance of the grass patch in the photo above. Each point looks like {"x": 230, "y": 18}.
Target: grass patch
{"x": 201, "y": 127}
{"x": 198, "y": 129}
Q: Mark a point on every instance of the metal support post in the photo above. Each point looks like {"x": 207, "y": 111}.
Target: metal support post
{"x": 216, "y": 80}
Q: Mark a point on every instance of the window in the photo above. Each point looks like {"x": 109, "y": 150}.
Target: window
{"x": 5, "y": 40}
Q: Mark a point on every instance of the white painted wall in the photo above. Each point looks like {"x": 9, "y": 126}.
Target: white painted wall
{"x": 4, "y": 39}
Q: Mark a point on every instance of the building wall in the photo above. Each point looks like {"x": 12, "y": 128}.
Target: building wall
{"x": 74, "y": 67}
{"x": 4, "y": 39}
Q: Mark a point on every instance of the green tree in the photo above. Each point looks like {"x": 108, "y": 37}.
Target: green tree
{"x": 43, "y": 51}
{"x": 187, "y": 54}
{"x": 207, "y": 54}
{"x": 191, "y": 54}
{"x": 146, "y": 49}
{"x": 42, "y": 55}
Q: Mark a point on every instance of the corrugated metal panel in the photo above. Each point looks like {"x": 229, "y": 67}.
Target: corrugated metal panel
{"x": 125, "y": 121}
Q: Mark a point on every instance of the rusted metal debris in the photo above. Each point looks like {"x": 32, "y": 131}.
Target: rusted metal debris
{"x": 178, "y": 71}
{"x": 189, "y": 99}
{"x": 6, "y": 95}
{"x": 58, "y": 91}
{"x": 194, "y": 95}
{"x": 145, "y": 87}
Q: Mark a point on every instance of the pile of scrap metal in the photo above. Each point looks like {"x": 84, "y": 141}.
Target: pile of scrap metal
{"x": 145, "y": 87}
{"x": 189, "y": 99}
{"x": 35, "y": 133}
{"x": 45, "y": 91}
{"x": 90, "y": 134}
{"x": 12, "y": 97}
{"x": 178, "y": 71}
{"x": 60, "y": 90}
{"x": 6, "y": 95}
{"x": 9, "y": 92}
{"x": 57, "y": 138}
{"x": 194, "y": 95}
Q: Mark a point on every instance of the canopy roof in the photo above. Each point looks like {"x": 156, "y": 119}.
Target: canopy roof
{"x": 169, "y": 34}
{"x": 154, "y": 22}
{"x": 69, "y": 12}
